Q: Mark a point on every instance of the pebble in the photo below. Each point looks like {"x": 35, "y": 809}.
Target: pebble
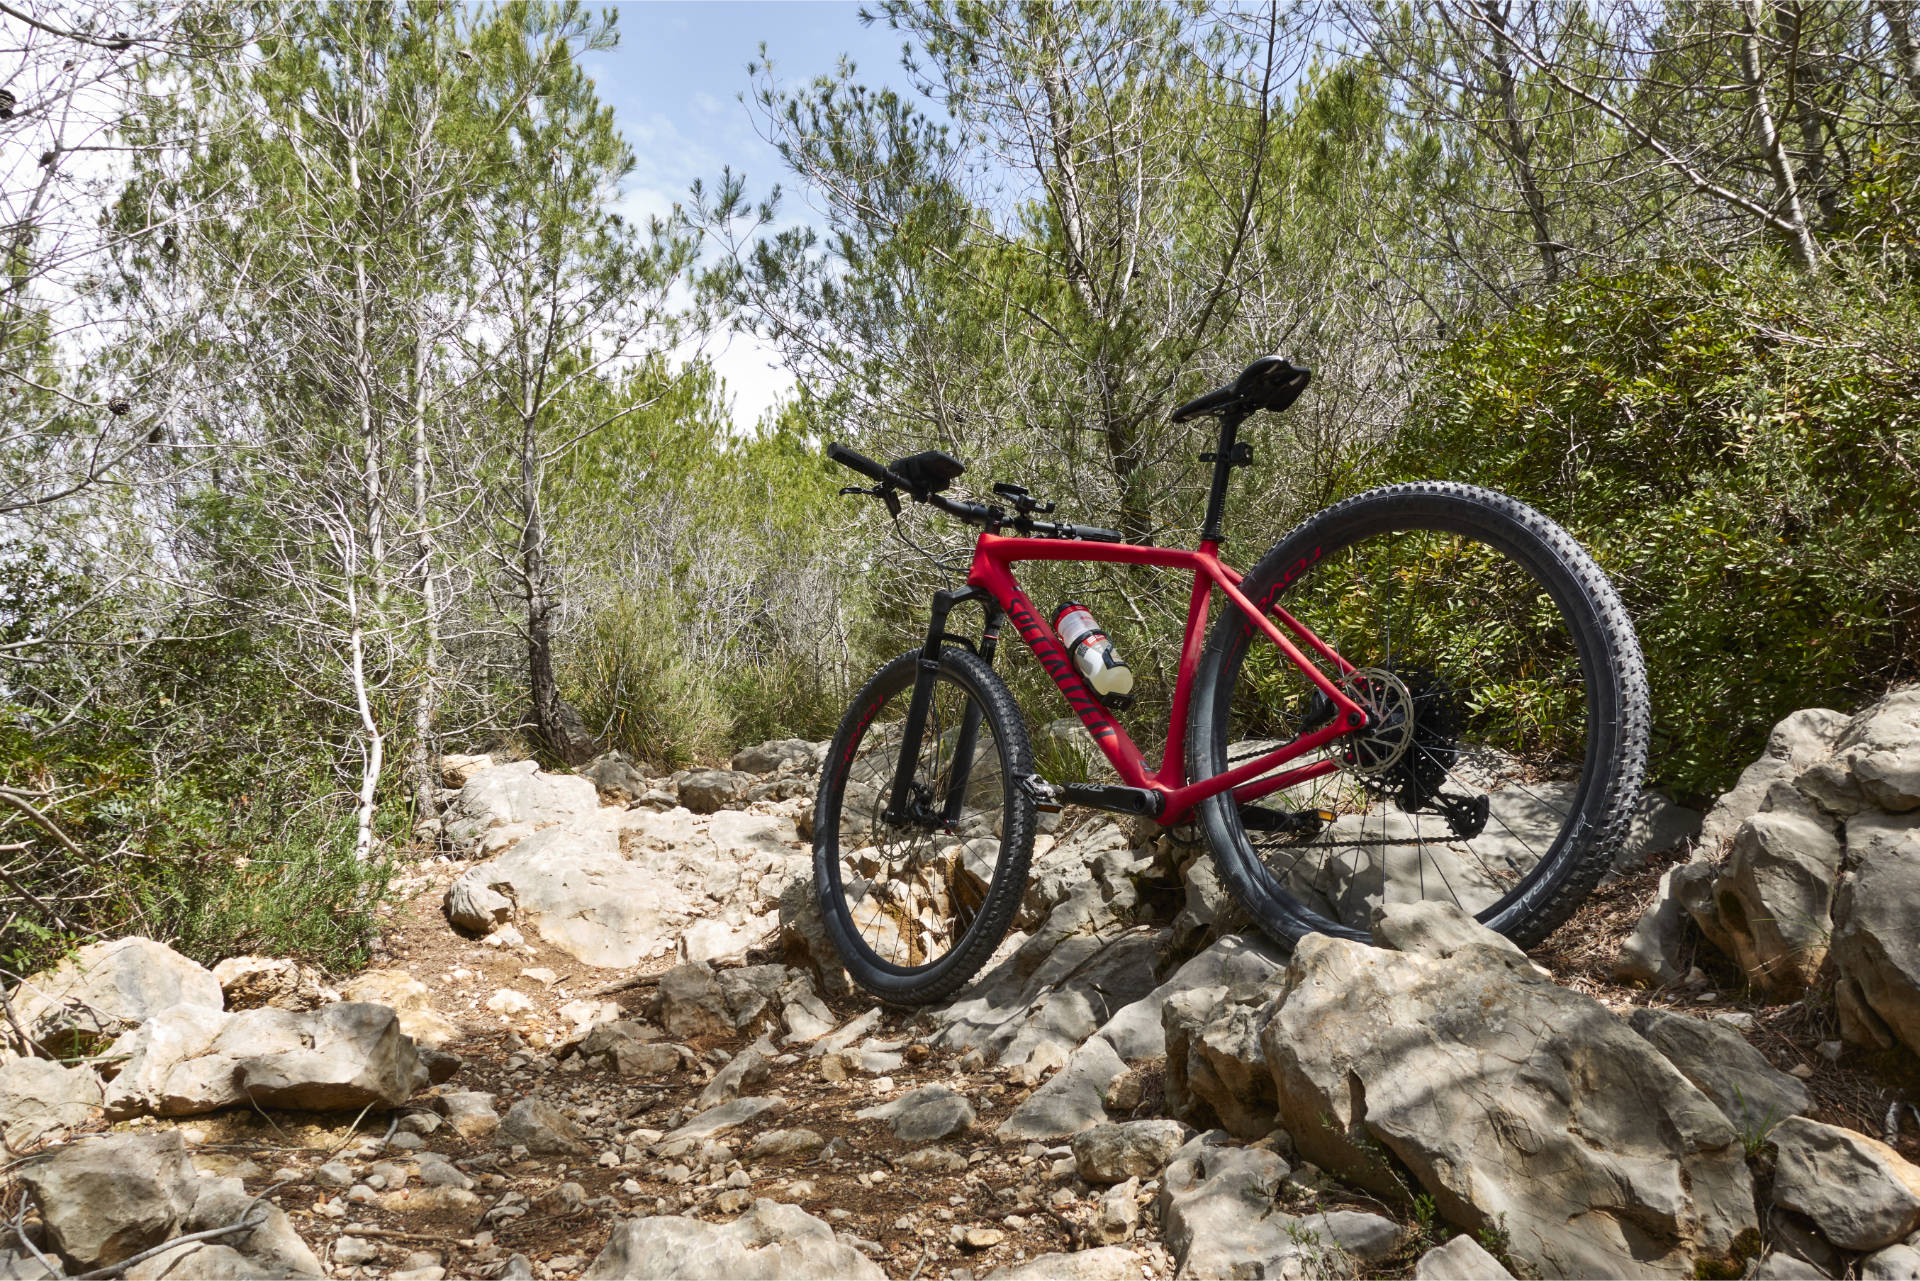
{"x": 631, "y": 1187}
{"x": 508, "y": 1001}
{"x": 334, "y": 1174}
{"x": 353, "y": 1251}
{"x": 542, "y": 975}
{"x": 978, "y": 1238}
{"x": 1802, "y": 1070}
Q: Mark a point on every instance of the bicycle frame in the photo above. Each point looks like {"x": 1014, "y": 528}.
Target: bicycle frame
{"x": 992, "y": 574}
{"x": 1164, "y": 794}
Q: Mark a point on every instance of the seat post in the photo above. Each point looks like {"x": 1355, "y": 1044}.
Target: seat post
{"x": 1225, "y": 458}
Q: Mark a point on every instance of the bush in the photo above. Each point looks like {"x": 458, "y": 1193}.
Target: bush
{"x": 1742, "y": 455}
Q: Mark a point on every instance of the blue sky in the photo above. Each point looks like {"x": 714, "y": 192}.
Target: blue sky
{"x": 675, "y": 84}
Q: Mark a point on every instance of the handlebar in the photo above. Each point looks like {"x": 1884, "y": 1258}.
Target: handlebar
{"x": 888, "y": 482}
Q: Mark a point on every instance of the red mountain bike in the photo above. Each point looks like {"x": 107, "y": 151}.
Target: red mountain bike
{"x": 1425, "y": 691}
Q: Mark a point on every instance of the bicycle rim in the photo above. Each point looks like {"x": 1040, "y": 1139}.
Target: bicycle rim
{"x": 911, "y": 893}
{"x": 1476, "y": 782}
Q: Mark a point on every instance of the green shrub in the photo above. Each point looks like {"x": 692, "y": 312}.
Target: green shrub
{"x": 1741, "y": 452}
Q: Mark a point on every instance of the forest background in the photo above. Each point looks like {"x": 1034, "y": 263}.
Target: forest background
{"x": 345, "y": 421}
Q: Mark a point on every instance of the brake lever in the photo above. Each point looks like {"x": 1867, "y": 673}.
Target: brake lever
{"x": 884, "y": 493}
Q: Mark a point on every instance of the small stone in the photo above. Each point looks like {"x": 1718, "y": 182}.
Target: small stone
{"x": 978, "y": 1238}
{"x": 334, "y": 1174}
{"x": 1802, "y": 1070}
{"x": 353, "y": 1251}
{"x": 508, "y": 1001}
{"x": 541, "y": 975}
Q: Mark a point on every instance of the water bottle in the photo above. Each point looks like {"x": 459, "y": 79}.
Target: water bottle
{"x": 1093, "y": 654}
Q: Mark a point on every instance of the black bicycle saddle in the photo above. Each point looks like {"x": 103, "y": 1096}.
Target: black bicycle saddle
{"x": 1271, "y": 382}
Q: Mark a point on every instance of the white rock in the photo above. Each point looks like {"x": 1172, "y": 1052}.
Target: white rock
{"x": 770, "y": 1240}
{"x": 106, "y": 989}
{"x": 1461, "y": 1259}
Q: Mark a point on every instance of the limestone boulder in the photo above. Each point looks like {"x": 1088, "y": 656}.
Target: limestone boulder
{"x": 1875, "y": 763}
{"x": 1775, "y": 894}
{"x": 707, "y": 791}
{"x": 1754, "y": 1095}
{"x": 470, "y": 1113}
{"x": 408, "y": 997}
{"x": 105, "y": 989}
{"x": 249, "y": 982}
{"x": 108, "y": 1198}
{"x": 457, "y": 769}
{"x": 271, "y": 1248}
{"x": 769, "y": 1242}
{"x": 616, "y": 778}
{"x": 1102, "y": 1263}
{"x": 1218, "y": 1216}
{"x": 1135, "y": 1149}
{"x": 473, "y": 902}
{"x": 1461, "y": 1259}
{"x": 1859, "y": 1192}
{"x": 1517, "y": 1104}
{"x": 1876, "y": 941}
{"x": 803, "y": 939}
{"x": 541, "y": 1128}
{"x": 189, "y": 1060}
{"x": 572, "y": 886}
{"x": 39, "y": 1098}
{"x": 1800, "y": 740}
{"x": 1216, "y": 1070}
{"x": 518, "y": 794}
{"x": 925, "y": 1115}
{"x": 793, "y": 754}
{"x": 690, "y": 1002}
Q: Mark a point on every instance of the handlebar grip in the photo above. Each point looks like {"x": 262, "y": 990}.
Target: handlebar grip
{"x": 858, "y": 462}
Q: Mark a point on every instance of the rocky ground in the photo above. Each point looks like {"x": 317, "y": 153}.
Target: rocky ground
{"x": 605, "y": 1038}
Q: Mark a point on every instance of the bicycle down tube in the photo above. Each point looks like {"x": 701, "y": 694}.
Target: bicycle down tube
{"x": 991, "y": 571}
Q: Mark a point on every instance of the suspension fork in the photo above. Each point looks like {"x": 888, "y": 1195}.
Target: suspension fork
{"x": 970, "y": 724}
{"x": 902, "y": 809}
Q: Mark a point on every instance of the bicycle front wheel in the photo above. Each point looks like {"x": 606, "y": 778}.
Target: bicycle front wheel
{"x": 1507, "y": 731}
{"x": 916, "y": 902}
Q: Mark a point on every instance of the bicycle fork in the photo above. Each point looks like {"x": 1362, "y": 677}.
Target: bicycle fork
{"x": 904, "y": 808}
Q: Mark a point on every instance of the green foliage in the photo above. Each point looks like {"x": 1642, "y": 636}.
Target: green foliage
{"x": 300, "y": 893}
{"x": 1737, "y": 451}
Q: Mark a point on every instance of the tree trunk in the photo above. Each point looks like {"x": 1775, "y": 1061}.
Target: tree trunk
{"x": 559, "y": 727}
{"x": 1786, "y": 187}
{"x": 425, "y": 757}
{"x": 374, "y": 757}
{"x": 1519, "y": 147}
{"x": 1899, "y": 19}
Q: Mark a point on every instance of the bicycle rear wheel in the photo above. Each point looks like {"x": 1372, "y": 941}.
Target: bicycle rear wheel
{"x": 915, "y": 907}
{"x": 1508, "y": 718}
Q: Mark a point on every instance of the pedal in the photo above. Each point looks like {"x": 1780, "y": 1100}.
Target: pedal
{"x": 1045, "y": 796}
